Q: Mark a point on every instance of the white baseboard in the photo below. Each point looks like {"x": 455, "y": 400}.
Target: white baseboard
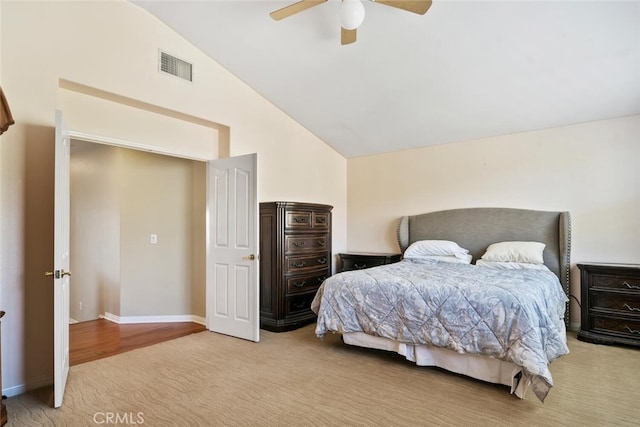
{"x": 153, "y": 319}
{"x": 31, "y": 384}
{"x": 575, "y": 327}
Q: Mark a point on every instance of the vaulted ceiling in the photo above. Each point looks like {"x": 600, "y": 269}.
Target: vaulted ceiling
{"x": 464, "y": 70}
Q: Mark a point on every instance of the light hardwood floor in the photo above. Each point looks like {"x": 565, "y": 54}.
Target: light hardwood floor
{"x": 100, "y": 338}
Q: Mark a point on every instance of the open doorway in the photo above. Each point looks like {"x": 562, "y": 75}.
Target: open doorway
{"x": 137, "y": 241}
{"x": 109, "y": 119}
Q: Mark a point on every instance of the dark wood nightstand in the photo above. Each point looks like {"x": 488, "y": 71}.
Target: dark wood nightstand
{"x": 360, "y": 260}
{"x": 610, "y": 303}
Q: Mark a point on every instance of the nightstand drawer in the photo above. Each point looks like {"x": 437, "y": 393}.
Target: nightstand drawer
{"x": 361, "y": 260}
{"x": 359, "y": 264}
{"x": 615, "y": 282}
{"x": 624, "y": 303}
{"x": 301, "y": 244}
{"x": 621, "y": 326}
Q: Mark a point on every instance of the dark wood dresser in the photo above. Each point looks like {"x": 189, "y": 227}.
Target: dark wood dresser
{"x": 360, "y": 260}
{"x": 295, "y": 258}
{"x": 610, "y": 303}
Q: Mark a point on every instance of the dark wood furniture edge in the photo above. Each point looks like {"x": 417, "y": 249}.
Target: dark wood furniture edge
{"x": 278, "y": 325}
{"x": 598, "y": 338}
{"x": 3, "y": 409}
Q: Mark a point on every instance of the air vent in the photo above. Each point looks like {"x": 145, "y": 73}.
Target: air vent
{"x": 176, "y": 67}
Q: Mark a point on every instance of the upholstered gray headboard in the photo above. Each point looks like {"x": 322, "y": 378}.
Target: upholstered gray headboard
{"x": 476, "y": 228}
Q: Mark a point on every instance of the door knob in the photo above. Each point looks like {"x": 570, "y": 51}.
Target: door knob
{"x": 57, "y": 274}
{"x": 250, "y": 257}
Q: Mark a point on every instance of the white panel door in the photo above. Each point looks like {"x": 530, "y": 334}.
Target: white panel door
{"x": 232, "y": 237}
{"x": 60, "y": 271}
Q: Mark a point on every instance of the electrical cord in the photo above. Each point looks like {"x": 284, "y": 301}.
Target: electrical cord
{"x": 577, "y": 302}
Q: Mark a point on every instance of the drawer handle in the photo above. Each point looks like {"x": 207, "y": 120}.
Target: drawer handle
{"x": 321, "y": 220}
{"x": 300, "y": 284}
{"x": 321, "y": 279}
{"x": 633, "y": 331}
{"x": 360, "y": 266}
{"x": 631, "y": 286}
{"x": 298, "y": 244}
{"x": 300, "y": 219}
{"x": 321, "y": 242}
{"x": 628, "y": 307}
{"x": 322, "y": 261}
{"x": 298, "y": 264}
{"x": 299, "y": 305}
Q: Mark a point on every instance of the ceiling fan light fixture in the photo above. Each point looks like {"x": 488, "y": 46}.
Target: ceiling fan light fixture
{"x": 351, "y": 14}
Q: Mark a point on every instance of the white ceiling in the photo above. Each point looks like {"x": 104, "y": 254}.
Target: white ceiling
{"x": 465, "y": 70}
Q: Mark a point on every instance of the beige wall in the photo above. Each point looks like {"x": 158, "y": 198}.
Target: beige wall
{"x": 590, "y": 170}
{"x": 119, "y": 197}
{"x": 156, "y": 198}
{"x": 95, "y": 230}
{"x": 91, "y": 112}
{"x": 52, "y": 50}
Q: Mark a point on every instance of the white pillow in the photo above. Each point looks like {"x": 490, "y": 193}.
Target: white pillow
{"x": 500, "y": 265}
{"x": 423, "y": 248}
{"x": 463, "y": 259}
{"x": 529, "y": 252}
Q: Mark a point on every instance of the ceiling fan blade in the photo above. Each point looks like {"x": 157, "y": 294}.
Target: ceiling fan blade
{"x": 347, "y": 36}
{"x": 416, "y": 6}
{"x": 294, "y": 8}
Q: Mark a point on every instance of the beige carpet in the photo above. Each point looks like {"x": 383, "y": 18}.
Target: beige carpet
{"x": 294, "y": 379}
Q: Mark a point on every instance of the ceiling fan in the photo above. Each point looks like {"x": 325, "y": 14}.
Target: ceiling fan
{"x": 352, "y": 13}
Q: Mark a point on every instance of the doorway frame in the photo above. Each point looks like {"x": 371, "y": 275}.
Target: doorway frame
{"x": 130, "y": 145}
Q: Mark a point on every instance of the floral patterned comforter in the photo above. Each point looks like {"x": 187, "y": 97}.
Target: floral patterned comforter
{"x": 512, "y": 315}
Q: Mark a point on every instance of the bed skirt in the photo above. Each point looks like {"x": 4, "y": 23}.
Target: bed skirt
{"x": 480, "y": 367}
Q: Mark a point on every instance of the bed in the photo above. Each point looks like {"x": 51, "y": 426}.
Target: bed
{"x": 503, "y": 326}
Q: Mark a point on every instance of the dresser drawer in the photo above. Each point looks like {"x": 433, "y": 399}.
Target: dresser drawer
{"x": 620, "y": 282}
{"x": 309, "y": 262}
{"x": 629, "y": 328}
{"x": 298, "y": 220}
{"x": 298, "y": 304}
{"x": 306, "y": 282}
{"x": 321, "y": 220}
{"x": 306, "y": 220}
{"x": 301, "y": 244}
{"x": 622, "y": 302}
